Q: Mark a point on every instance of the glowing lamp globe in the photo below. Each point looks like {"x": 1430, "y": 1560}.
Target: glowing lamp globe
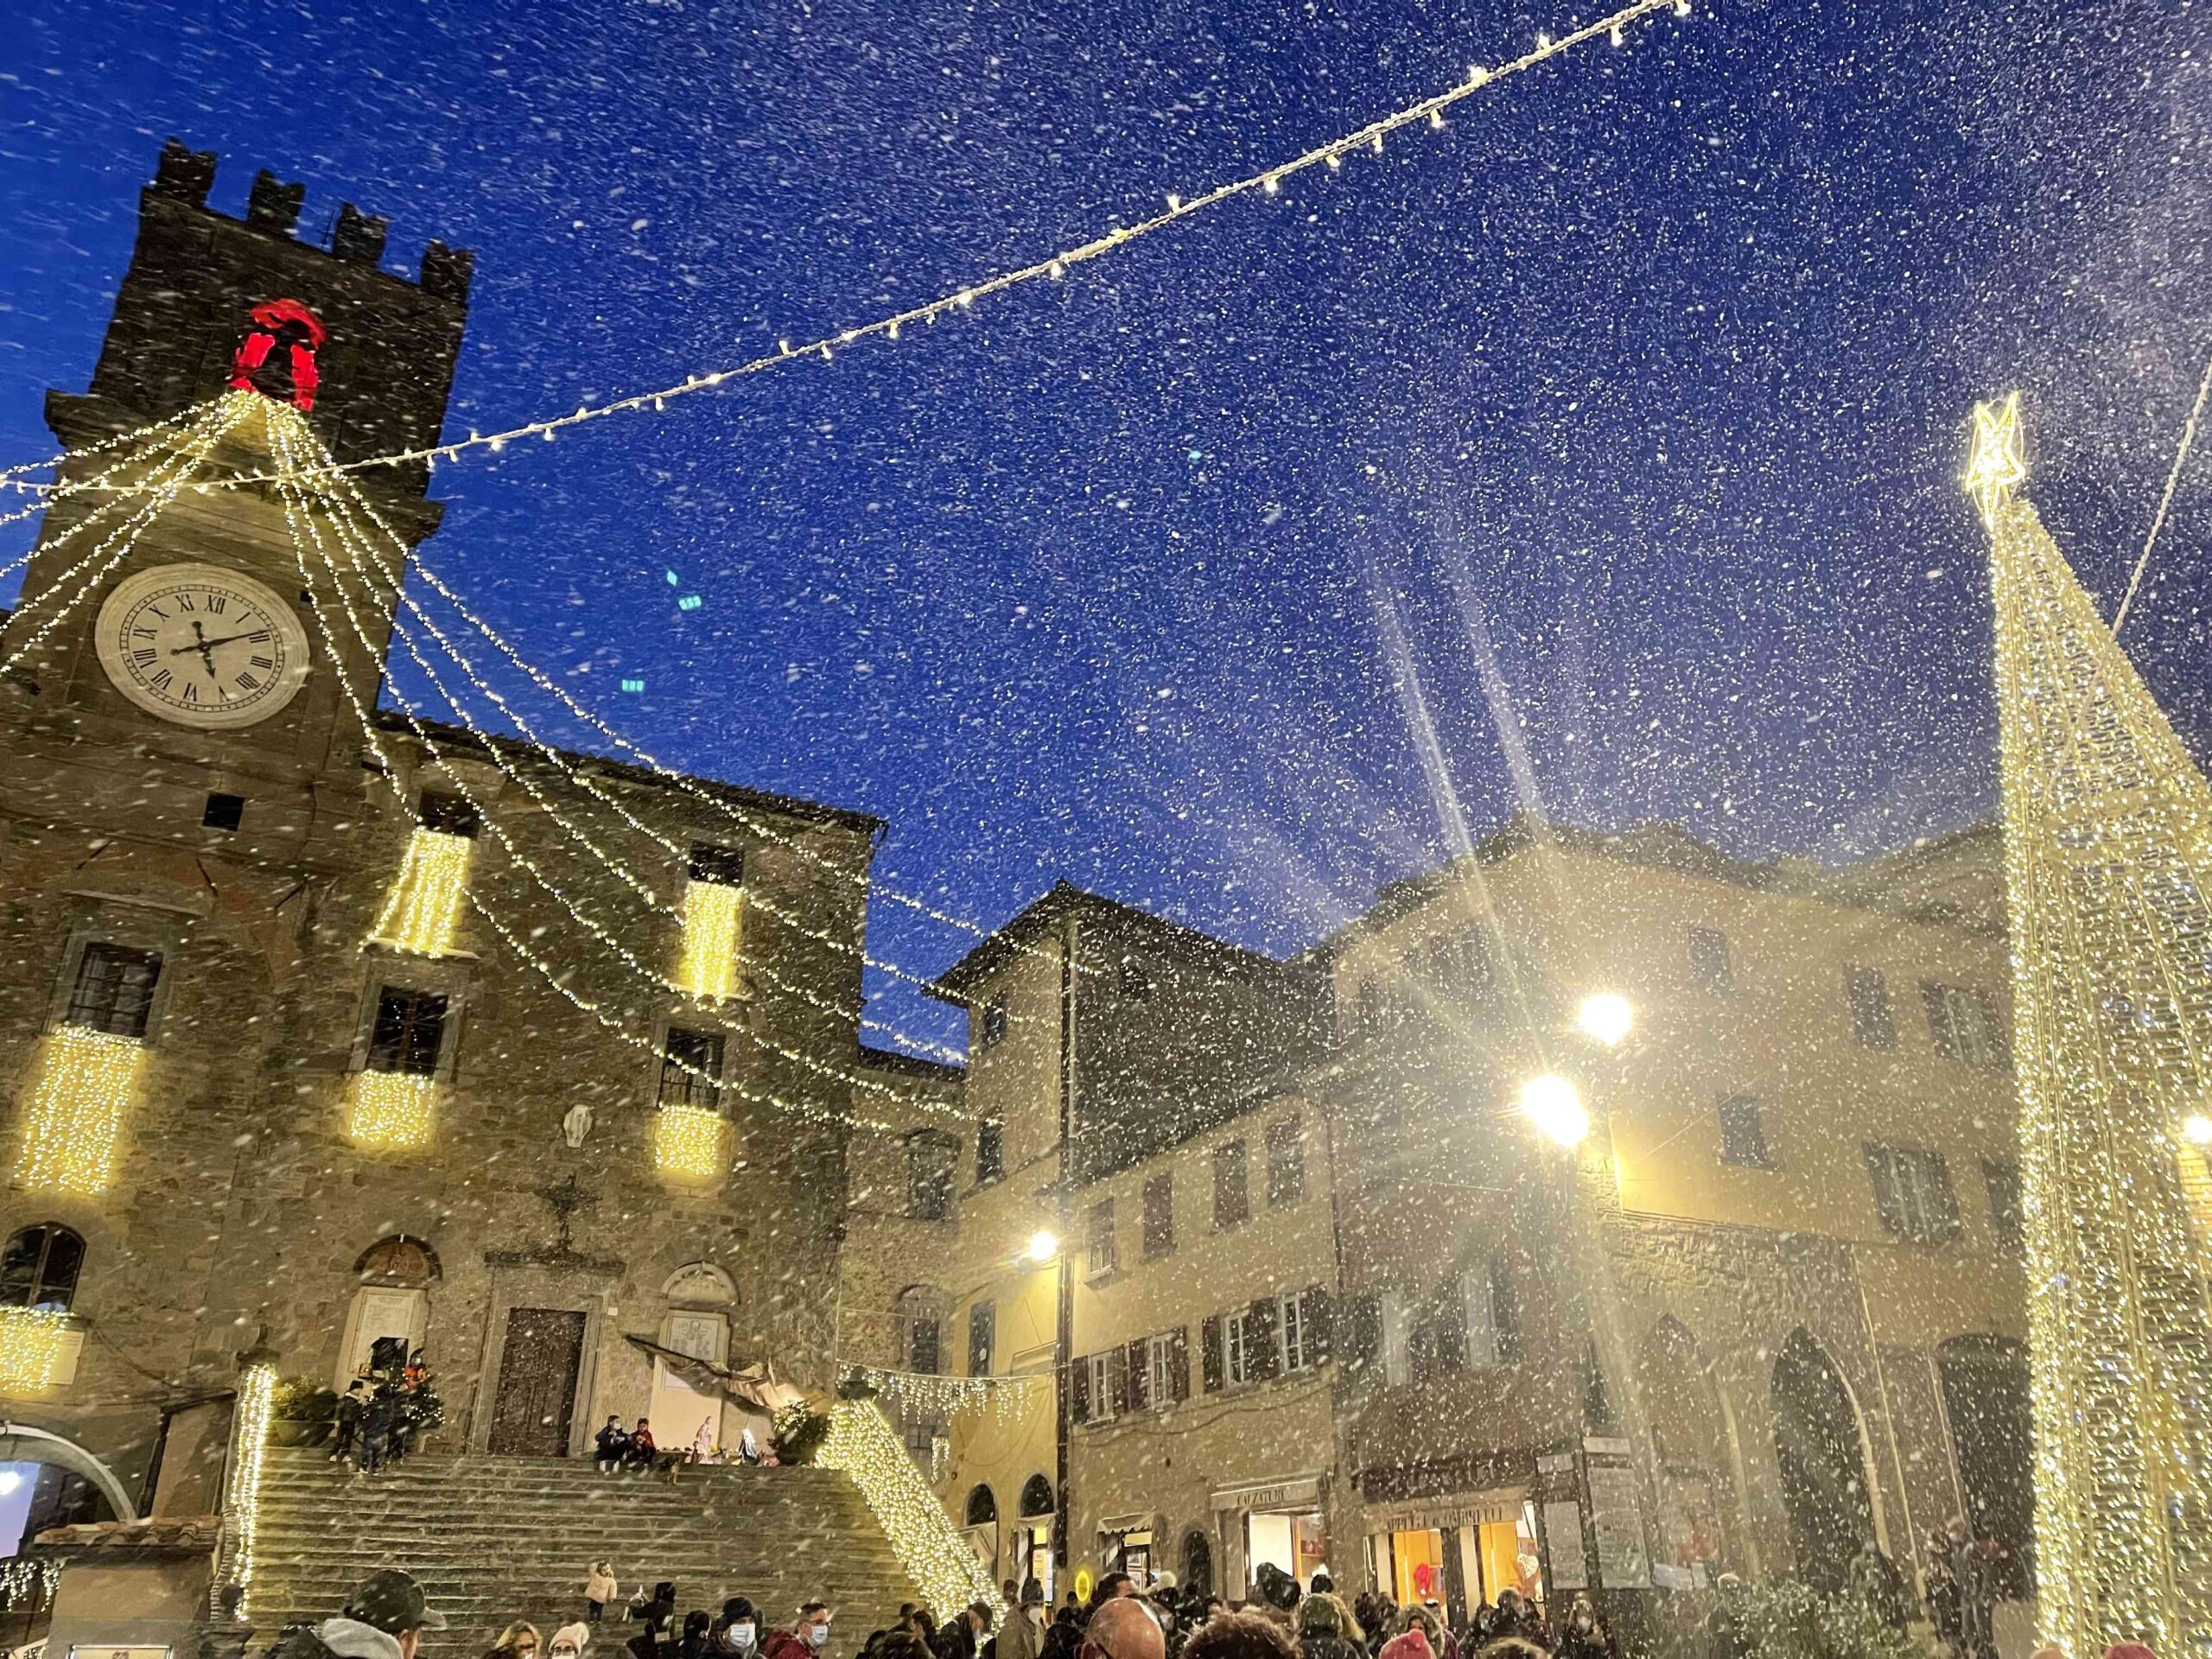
{"x": 1043, "y": 1247}
{"x": 1605, "y": 1017}
{"x": 2196, "y": 1128}
{"x": 1554, "y": 1106}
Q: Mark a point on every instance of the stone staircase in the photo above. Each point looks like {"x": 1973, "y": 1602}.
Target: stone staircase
{"x": 495, "y": 1539}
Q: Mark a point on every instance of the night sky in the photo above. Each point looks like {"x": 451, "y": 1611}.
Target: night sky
{"x": 1601, "y": 447}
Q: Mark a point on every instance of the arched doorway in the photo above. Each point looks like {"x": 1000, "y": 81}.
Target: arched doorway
{"x": 1033, "y": 1534}
{"x": 1984, "y": 1382}
{"x": 1691, "y": 1443}
{"x": 1823, "y": 1465}
{"x": 1198, "y": 1563}
{"x": 982, "y": 1523}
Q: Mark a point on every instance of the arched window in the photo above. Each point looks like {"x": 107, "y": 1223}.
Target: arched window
{"x": 982, "y": 1508}
{"x": 1198, "y": 1563}
{"x": 1823, "y": 1465}
{"x": 39, "y": 1268}
{"x": 1036, "y": 1496}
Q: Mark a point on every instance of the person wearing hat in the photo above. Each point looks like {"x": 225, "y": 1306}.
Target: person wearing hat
{"x": 737, "y": 1632}
{"x": 385, "y": 1619}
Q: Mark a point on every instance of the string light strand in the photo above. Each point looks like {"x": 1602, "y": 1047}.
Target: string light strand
{"x": 2166, "y": 500}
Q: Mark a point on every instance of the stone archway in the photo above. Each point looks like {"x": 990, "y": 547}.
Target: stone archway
{"x": 1820, "y": 1450}
{"x": 395, "y": 1275}
{"x": 21, "y": 1443}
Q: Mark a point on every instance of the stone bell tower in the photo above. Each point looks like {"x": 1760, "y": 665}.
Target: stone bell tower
{"x": 376, "y": 352}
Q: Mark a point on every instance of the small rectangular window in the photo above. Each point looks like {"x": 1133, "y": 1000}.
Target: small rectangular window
{"x": 1871, "y": 1022}
{"x": 1295, "y": 1333}
{"x": 1912, "y": 1192}
{"x": 2001, "y": 1177}
{"x": 449, "y": 815}
{"x": 991, "y": 1024}
{"x": 691, "y": 1068}
{"x": 1710, "y": 967}
{"x": 114, "y": 990}
{"x": 983, "y": 1334}
{"x": 1965, "y": 1024}
{"x": 718, "y": 866}
{"x": 1742, "y": 1134}
{"x": 1286, "y": 1163}
{"x": 224, "y": 812}
{"x": 1102, "y": 1387}
{"x": 1159, "y": 1217}
{"x": 1232, "y": 1191}
{"x": 1102, "y": 1244}
{"x": 1169, "y": 1369}
{"x": 990, "y": 1152}
{"x": 932, "y": 1161}
{"x": 409, "y": 1031}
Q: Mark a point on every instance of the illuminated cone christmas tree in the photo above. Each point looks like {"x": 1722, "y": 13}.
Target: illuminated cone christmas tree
{"x": 2108, "y": 857}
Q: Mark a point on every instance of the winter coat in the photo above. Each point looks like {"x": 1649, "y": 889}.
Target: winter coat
{"x": 785, "y": 1644}
{"x": 1022, "y": 1635}
{"x": 1583, "y": 1645}
{"x": 334, "y": 1638}
{"x": 600, "y": 1586}
{"x": 1409, "y": 1645}
{"x": 612, "y": 1444}
{"x": 957, "y": 1640}
{"x": 1328, "y": 1644}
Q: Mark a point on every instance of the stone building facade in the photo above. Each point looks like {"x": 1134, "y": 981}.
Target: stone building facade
{"x": 334, "y": 1126}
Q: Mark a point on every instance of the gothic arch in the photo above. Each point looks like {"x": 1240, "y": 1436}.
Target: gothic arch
{"x": 1036, "y": 1497}
{"x": 1820, "y": 1446}
{"x": 398, "y": 1259}
{"x": 700, "y": 1284}
{"x": 982, "y": 1507}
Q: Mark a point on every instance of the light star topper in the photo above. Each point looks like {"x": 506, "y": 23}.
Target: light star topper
{"x": 1996, "y": 463}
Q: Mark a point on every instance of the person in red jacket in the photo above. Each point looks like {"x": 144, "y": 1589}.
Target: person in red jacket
{"x": 808, "y": 1639}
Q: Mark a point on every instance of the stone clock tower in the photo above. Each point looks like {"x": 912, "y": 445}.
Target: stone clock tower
{"x": 198, "y": 649}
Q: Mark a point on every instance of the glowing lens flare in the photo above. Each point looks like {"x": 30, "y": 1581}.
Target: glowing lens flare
{"x": 1554, "y": 1106}
{"x": 1605, "y": 1017}
{"x": 1043, "y": 1247}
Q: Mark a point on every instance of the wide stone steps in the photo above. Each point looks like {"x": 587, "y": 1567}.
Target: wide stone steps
{"x": 497, "y": 1539}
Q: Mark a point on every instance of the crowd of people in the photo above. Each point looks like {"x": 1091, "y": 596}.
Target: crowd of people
{"x": 383, "y": 1411}
{"x": 616, "y": 1448}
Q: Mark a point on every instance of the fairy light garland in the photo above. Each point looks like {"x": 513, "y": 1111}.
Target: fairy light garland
{"x": 390, "y": 1111}
{"x": 2109, "y": 866}
{"x": 422, "y": 913}
{"x": 11, "y": 477}
{"x": 248, "y": 1458}
{"x": 21, "y": 1578}
{"x": 388, "y": 773}
{"x": 286, "y": 426}
{"x": 2166, "y": 497}
{"x": 937, "y": 1559}
{"x": 938, "y": 1398}
{"x": 690, "y": 1143}
{"x": 73, "y": 1124}
{"x": 173, "y": 472}
{"x": 32, "y": 1343}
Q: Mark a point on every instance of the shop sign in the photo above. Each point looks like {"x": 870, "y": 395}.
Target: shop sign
{"x": 1444, "y": 1513}
{"x": 1604, "y": 1446}
{"x": 1563, "y": 1544}
{"x": 1280, "y": 1495}
{"x": 1617, "y": 1518}
{"x": 1557, "y": 1463}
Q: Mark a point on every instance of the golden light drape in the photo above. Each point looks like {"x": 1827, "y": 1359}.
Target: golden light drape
{"x": 2108, "y": 860}
{"x": 712, "y": 916}
{"x": 72, "y": 1121}
{"x": 688, "y": 1143}
{"x": 422, "y": 913}
{"x": 390, "y": 1110}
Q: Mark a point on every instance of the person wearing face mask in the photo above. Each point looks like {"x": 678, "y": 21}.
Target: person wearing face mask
{"x": 737, "y": 1632}
{"x": 808, "y": 1638}
{"x": 1022, "y": 1635}
{"x": 568, "y": 1642}
{"x": 1583, "y": 1637}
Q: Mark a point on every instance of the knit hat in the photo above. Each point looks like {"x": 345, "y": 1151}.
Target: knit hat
{"x": 579, "y": 1634}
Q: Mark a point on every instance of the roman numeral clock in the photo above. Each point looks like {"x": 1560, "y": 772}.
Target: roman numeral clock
{"x": 201, "y": 647}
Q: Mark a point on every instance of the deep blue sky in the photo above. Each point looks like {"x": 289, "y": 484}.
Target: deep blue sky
{"x": 1650, "y": 372}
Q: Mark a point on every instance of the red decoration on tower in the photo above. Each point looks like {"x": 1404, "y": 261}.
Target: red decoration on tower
{"x": 276, "y": 357}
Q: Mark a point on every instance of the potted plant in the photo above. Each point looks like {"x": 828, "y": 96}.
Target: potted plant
{"x": 299, "y": 1412}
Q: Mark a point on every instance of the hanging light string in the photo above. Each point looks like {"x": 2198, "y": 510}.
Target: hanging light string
{"x": 172, "y": 472}
{"x": 281, "y": 441}
{"x": 47, "y": 489}
{"x": 112, "y": 500}
{"x": 295, "y": 508}
{"x": 680, "y": 780}
{"x": 2166, "y": 501}
{"x": 1268, "y": 182}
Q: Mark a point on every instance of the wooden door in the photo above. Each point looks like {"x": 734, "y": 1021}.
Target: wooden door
{"x": 537, "y": 1402}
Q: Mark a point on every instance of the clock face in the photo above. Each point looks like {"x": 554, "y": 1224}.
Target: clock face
{"x": 201, "y": 646}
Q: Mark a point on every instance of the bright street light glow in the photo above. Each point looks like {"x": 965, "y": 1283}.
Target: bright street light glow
{"x": 1043, "y": 1247}
{"x": 9, "y": 1480}
{"x": 2198, "y": 1129}
{"x": 1605, "y": 1017}
{"x": 1554, "y": 1105}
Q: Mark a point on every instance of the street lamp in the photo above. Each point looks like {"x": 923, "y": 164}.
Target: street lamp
{"x": 1554, "y": 1106}
{"x": 1605, "y": 1017}
{"x": 1043, "y": 1247}
{"x": 2196, "y": 1128}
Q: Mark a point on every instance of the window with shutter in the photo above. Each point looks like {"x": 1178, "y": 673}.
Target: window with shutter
{"x": 1505, "y": 1309}
{"x": 1117, "y": 1379}
{"x": 1212, "y": 1359}
{"x": 1262, "y": 1359}
{"x": 983, "y": 1334}
{"x": 1105, "y": 1396}
{"x": 2001, "y": 1177}
{"x": 1104, "y": 1247}
{"x": 1912, "y": 1192}
{"x": 1178, "y": 1365}
{"x": 1079, "y": 1388}
{"x": 1965, "y": 1024}
{"x": 1286, "y": 1163}
{"x": 691, "y": 1068}
{"x": 114, "y": 990}
{"x": 990, "y": 1152}
{"x": 1320, "y": 1320}
{"x": 1159, "y": 1217}
{"x": 409, "y": 1030}
{"x": 1871, "y": 1022}
{"x": 1236, "y": 1332}
{"x": 1710, "y": 967}
{"x": 1136, "y": 1367}
{"x": 1366, "y": 1330}
{"x": 1480, "y": 1320}
{"x": 1742, "y": 1134}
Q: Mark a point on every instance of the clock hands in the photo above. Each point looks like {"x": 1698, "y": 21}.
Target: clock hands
{"x": 206, "y": 647}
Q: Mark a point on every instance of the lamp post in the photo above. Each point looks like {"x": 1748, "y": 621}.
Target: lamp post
{"x": 1616, "y": 1558}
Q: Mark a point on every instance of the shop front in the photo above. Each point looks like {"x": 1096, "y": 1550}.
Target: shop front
{"x": 1125, "y": 1545}
{"x": 1459, "y": 1551}
{"x": 1275, "y": 1523}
